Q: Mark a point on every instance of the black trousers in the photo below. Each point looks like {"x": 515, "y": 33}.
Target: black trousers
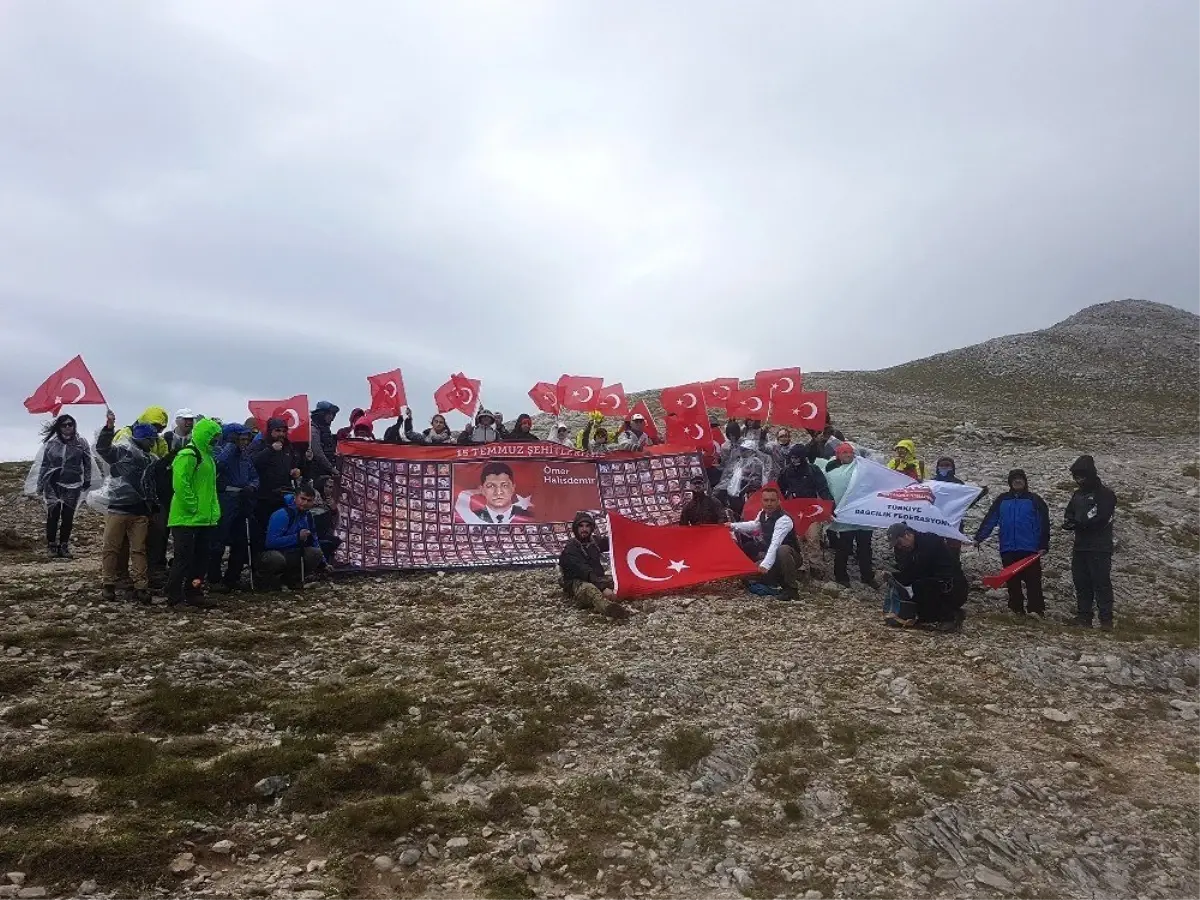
{"x": 1025, "y": 588}
{"x": 60, "y": 517}
{"x": 858, "y": 541}
{"x": 939, "y": 600}
{"x": 1092, "y": 574}
{"x": 190, "y": 561}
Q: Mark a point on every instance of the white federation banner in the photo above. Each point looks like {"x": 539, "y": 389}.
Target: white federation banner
{"x": 877, "y": 497}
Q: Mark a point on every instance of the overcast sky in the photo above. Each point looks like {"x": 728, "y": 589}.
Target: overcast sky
{"x": 217, "y": 201}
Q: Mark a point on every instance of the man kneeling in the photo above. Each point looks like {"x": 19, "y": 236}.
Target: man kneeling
{"x": 770, "y": 541}
{"x": 583, "y": 577}
{"x": 292, "y": 548}
{"x": 934, "y": 574}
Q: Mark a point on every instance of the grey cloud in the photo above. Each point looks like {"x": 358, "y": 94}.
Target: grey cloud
{"x": 218, "y": 202}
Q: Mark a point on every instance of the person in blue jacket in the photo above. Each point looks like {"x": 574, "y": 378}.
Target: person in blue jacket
{"x": 237, "y": 492}
{"x": 1024, "y": 521}
{"x": 293, "y": 549}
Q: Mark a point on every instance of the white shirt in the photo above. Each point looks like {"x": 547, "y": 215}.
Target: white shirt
{"x": 782, "y": 526}
{"x": 631, "y": 439}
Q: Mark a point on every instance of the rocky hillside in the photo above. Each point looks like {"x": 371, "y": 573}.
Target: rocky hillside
{"x": 470, "y": 735}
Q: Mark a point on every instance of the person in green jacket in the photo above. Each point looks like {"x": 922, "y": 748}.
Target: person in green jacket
{"x": 195, "y": 513}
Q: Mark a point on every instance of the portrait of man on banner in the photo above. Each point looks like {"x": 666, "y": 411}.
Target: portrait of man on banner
{"x": 495, "y": 501}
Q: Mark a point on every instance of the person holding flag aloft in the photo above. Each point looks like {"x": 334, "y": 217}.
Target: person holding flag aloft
{"x": 63, "y": 472}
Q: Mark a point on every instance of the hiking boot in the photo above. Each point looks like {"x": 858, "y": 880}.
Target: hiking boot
{"x": 200, "y": 602}
{"x": 142, "y": 596}
{"x": 871, "y": 582}
{"x": 52, "y": 551}
{"x": 64, "y": 552}
{"x": 786, "y": 594}
{"x": 108, "y": 593}
{"x": 1081, "y": 622}
{"x": 844, "y": 581}
{"x": 1106, "y": 625}
{"x": 220, "y": 587}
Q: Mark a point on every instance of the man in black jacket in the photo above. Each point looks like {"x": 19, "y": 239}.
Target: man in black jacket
{"x": 583, "y": 576}
{"x": 523, "y": 430}
{"x": 701, "y": 509}
{"x": 1089, "y": 514}
{"x": 933, "y": 571}
{"x": 280, "y": 465}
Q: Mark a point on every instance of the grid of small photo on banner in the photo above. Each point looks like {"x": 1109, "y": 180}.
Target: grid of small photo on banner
{"x": 399, "y": 514}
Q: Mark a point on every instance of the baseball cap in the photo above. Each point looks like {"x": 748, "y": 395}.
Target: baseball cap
{"x": 184, "y": 413}
{"x": 637, "y": 417}
{"x": 325, "y": 406}
{"x": 896, "y": 531}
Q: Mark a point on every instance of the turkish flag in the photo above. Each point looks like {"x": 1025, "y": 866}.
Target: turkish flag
{"x": 459, "y": 393}
{"x": 644, "y": 410}
{"x": 71, "y": 385}
{"x": 1001, "y": 577}
{"x": 720, "y": 393}
{"x": 650, "y": 559}
{"x": 776, "y": 383}
{"x": 579, "y": 392}
{"x": 387, "y": 396}
{"x": 545, "y": 397}
{"x": 684, "y": 433}
{"x": 294, "y": 411}
{"x": 805, "y": 409}
{"x": 612, "y": 400}
{"x": 685, "y": 402}
{"x": 748, "y": 405}
{"x": 803, "y": 510}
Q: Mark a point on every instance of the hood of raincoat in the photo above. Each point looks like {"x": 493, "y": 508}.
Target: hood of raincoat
{"x": 909, "y": 448}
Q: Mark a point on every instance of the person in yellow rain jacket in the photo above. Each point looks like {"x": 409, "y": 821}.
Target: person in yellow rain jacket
{"x": 906, "y": 460}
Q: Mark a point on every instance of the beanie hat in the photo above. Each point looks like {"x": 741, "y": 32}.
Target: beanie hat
{"x": 143, "y": 432}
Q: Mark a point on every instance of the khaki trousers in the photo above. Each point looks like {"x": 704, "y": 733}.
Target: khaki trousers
{"x": 119, "y": 527}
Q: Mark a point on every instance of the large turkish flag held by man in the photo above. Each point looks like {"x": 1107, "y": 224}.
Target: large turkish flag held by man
{"x": 70, "y": 385}
{"x": 651, "y": 559}
{"x": 294, "y": 411}
{"x": 641, "y": 408}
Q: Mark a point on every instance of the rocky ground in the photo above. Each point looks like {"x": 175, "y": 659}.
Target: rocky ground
{"x": 469, "y": 735}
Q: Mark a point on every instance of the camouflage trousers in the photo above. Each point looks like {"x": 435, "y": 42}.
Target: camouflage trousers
{"x": 812, "y": 551}
{"x": 586, "y": 595}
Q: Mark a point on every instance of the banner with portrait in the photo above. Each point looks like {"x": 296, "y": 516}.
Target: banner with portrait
{"x": 410, "y": 507}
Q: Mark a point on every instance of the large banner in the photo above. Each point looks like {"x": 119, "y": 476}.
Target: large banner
{"x": 878, "y": 497}
{"x": 406, "y": 507}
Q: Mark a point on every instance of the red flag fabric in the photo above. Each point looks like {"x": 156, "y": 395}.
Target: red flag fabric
{"x": 649, "y": 559}
{"x": 294, "y": 410}
{"x": 720, "y": 392}
{"x": 748, "y": 405}
{"x": 71, "y": 385}
{"x": 803, "y": 510}
{"x": 468, "y": 392}
{"x": 684, "y": 433}
{"x": 387, "y": 396}
{"x": 459, "y": 393}
{"x": 611, "y": 400}
{"x": 1001, "y": 577}
{"x": 685, "y": 401}
{"x": 545, "y": 397}
{"x": 644, "y": 410}
{"x": 775, "y": 383}
{"x": 579, "y": 392}
{"x": 805, "y": 409}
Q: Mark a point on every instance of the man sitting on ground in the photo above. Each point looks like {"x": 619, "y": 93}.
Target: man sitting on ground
{"x": 934, "y": 574}
{"x": 583, "y": 578}
{"x": 293, "y": 550}
{"x": 770, "y": 541}
{"x": 701, "y": 509}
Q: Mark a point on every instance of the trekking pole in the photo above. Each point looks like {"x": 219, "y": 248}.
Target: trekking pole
{"x": 296, "y": 490}
{"x": 250, "y": 554}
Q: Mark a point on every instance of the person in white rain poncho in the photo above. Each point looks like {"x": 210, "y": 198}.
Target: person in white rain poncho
{"x": 747, "y": 468}
{"x": 64, "y": 471}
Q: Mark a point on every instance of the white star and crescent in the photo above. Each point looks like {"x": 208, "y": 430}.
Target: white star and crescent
{"x": 78, "y": 386}
{"x": 636, "y": 553}
{"x": 790, "y": 385}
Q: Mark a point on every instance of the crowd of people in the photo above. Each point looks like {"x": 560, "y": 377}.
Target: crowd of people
{"x": 192, "y": 505}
